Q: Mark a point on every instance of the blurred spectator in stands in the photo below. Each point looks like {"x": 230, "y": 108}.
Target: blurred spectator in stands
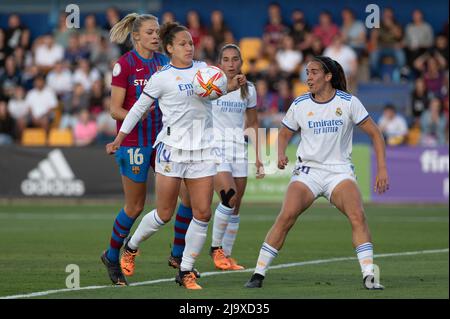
{"x": 96, "y": 97}
{"x": 62, "y": 33}
{"x": 418, "y": 36}
{"x": 346, "y": 57}
{"x": 91, "y": 33}
{"x": 326, "y": 29}
{"x": 103, "y": 53}
{"x": 196, "y": 29}
{"x": 3, "y": 48}
{"x": 28, "y": 76}
{"x": 85, "y": 130}
{"x": 22, "y": 58}
{"x": 19, "y": 110}
{"x": 229, "y": 38}
{"x": 272, "y": 76}
{"x": 10, "y": 77}
{"x": 315, "y": 49}
{"x": 7, "y": 125}
{"x": 75, "y": 51}
{"x": 60, "y": 79}
{"x": 433, "y": 125}
{"x": 288, "y": 58}
{"x": 209, "y": 52}
{"x": 252, "y": 74}
{"x": 106, "y": 125}
{"x": 353, "y": 32}
{"x": 386, "y": 42}
{"x": 73, "y": 103}
{"x": 267, "y": 105}
{"x": 299, "y": 31}
{"x": 42, "y": 101}
{"x": 218, "y": 28}
{"x": 274, "y": 31}
{"x": 85, "y": 75}
{"x": 17, "y": 34}
{"x": 47, "y": 53}
{"x": 419, "y": 100}
{"x": 112, "y": 17}
{"x": 441, "y": 46}
{"x": 285, "y": 95}
{"x": 433, "y": 71}
{"x": 168, "y": 16}
{"x": 393, "y": 126}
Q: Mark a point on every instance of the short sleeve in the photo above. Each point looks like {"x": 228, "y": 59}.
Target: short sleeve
{"x": 289, "y": 119}
{"x": 358, "y": 112}
{"x": 153, "y": 88}
{"x": 251, "y": 96}
{"x": 120, "y": 74}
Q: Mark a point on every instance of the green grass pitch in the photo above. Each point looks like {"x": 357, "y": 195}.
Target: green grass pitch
{"x": 39, "y": 241}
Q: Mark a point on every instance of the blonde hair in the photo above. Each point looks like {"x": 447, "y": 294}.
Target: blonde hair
{"x": 129, "y": 24}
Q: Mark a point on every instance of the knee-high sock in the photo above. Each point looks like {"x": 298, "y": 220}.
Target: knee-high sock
{"x": 182, "y": 220}
{"x": 221, "y": 217}
{"x": 365, "y": 257}
{"x": 230, "y": 234}
{"x": 149, "y": 225}
{"x": 121, "y": 229}
{"x": 266, "y": 255}
{"x": 195, "y": 239}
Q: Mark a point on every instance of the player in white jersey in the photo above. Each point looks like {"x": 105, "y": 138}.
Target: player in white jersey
{"x": 183, "y": 146}
{"x": 325, "y": 118}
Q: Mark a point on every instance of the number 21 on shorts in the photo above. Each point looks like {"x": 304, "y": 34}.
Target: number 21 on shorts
{"x": 136, "y": 158}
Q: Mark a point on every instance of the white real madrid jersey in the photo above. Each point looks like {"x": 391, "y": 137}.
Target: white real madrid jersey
{"x": 326, "y": 129}
{"x": 229, "y": 114}
{"x": 187, "y": 118}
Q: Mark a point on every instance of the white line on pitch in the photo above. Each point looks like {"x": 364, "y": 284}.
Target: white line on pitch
{"x": 215, "y": 273}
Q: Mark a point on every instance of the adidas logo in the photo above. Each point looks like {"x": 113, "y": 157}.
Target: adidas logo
{"x": 53, "y": 176}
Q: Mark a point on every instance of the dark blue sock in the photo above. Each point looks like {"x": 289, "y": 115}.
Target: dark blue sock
{"x": 121, "y": 229}
{"x": 182, "y": 221}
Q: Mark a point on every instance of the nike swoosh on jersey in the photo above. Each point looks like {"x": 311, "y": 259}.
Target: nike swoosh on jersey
{"x": 137, "y": 70}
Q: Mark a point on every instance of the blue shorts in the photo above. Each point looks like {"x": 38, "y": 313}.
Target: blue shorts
{"x": 135, "y": 161}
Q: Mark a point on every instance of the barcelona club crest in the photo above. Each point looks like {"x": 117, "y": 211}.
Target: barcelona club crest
{"x": 338, "y": 111}
{"x": 135, "y": 170}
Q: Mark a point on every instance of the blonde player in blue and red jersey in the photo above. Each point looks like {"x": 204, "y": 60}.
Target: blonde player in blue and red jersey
{"x": 136, "y": 155}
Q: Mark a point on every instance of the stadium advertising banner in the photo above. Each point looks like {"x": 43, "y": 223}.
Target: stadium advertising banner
{"x": 417, "y": 175}
{"x": 58, "y": 172}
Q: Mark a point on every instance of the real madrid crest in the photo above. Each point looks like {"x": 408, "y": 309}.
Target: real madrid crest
{"x": 167, "y": 168}
{"x": 135, "y": 169}
{"x": 338, "y": 111}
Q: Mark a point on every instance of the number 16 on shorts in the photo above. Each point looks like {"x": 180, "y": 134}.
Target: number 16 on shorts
{"x": 134, "y": 162}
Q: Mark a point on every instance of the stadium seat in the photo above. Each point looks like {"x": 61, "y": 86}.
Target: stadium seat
{"x": 59, "y": 137}
{"x": 250, "y": 48}
{"x": 34, "y": 137}
{"x": 299, "y": 88}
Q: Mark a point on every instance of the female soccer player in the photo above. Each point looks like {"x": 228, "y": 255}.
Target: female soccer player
{"x": 184, "y": 146}
{"x": 135, "y": 155}
{"x": 325, "y": 118}
{"x": 229, "y": 113}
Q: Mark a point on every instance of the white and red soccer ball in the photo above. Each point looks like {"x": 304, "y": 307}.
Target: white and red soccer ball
{"x": 210, "y": 82}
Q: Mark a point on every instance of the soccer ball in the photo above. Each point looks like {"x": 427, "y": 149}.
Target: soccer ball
{"x": 210, "y": 82}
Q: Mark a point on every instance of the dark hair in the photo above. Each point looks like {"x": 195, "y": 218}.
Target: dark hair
{"x": 329, "y": 65}
{"x": 244, "y": 89}
{"x": 390, "y": 107}
{"x": 167, "y": 34}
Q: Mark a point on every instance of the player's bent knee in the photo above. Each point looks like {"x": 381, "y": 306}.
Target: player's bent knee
{"x": 134, "y": 210}
{"x": 358, "y": 219}
{"x": 228, "y": 197}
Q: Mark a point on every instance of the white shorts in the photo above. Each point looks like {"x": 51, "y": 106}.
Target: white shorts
{"x": 182, "y": 166}
{"x": 236, "y": 169}
{"x": 322, "y": 181}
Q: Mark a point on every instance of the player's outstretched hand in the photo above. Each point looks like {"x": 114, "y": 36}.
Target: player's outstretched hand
{"x": 236, "y": 82}
{"x": 381, "y": 181}
{"x": 112, "y": 147}
{"x": 282, "y": 161}
{"x": 259, "y": 169}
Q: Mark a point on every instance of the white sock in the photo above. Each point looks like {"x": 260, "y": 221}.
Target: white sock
{"x": 230, "y": 234}
{"x": 195, "y": 239}
{"x": 221, "y": 217}
{"x": 365, "y": 257}
{"x": 266, "y": 255}
{"x": 149, "y": 225}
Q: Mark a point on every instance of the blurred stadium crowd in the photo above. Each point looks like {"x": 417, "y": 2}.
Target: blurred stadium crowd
{"x": 56, "y": 89}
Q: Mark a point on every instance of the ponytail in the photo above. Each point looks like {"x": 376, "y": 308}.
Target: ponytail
{"x": 338, "y": 80}
{"x": 131, "y": 23}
